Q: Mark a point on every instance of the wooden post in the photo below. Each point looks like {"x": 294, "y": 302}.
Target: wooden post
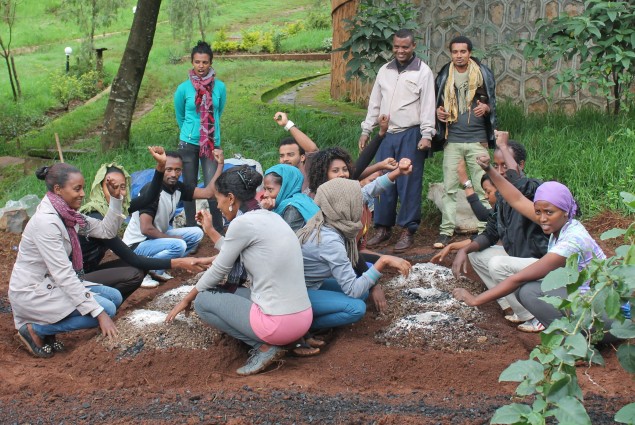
{"x": 59, "y": 147}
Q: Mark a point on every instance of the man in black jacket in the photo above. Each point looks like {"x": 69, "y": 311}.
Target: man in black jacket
{"x": 466, "y": 120}
{"x": 524, "y": 242}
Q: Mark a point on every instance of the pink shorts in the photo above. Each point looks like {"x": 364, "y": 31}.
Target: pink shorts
{"x": 282, "y": 329}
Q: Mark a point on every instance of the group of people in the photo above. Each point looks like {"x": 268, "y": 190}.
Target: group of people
{"x": 293, "y": 257}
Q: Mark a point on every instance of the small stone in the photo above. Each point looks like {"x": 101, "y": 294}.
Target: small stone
{"x": 481, "y": 339}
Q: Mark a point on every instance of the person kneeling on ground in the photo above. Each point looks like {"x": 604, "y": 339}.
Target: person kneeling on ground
{"x": 329, "y": 250}
{"x": 554, "y": 209}
{"x": 47, "y": 290}
{"x": 276, "y": 311}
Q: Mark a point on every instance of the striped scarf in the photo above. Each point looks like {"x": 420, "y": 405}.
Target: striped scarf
{"x": 451, "y": 103}
{"x": 204, "y": 102}
{"x": 70, "y": 218}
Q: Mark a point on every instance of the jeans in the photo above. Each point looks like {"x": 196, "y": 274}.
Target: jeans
{"x": 332, "y": 308}
{"x": 190, "y": 155}
{"x": 407, "y": 189}
{"x": 119, "y": 275}
{"x": 109, "y": 298}
{"x": 168, "y": 248}
{"x": 452, "y": 155}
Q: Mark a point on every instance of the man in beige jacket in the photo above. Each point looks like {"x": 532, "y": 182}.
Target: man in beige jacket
{"x": 403, "y": 90}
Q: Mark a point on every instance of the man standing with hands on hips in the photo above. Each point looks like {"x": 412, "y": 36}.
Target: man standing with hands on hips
{"x": 404, "y": 91}
{"x": 466, "y": 120}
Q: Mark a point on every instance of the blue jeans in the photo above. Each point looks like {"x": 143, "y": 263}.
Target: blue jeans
{"x": 109, "y": 298}
{"x": 332, "y": 308}
{"x": 168, "y": 248}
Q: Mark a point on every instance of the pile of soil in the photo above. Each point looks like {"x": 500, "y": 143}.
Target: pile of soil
{"x": 355, "y": 380}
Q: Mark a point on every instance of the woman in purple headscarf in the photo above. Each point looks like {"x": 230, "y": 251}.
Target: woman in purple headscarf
{"x": 554, "y": 209}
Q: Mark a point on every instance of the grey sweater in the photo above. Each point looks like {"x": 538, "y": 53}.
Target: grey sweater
{"x": 271, "y": 254}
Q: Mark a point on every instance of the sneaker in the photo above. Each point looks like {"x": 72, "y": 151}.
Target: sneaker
{"x": 149, "y": 283}
{"x": 531, "y": 326}
{"x": 514, "y": 318}
{"x": 163, "y": 277}
{"x": 442, "y": 241}
{"x": 259, "y": 360}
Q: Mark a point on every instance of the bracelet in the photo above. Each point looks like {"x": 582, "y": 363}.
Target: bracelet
{"x": 288, "y": 125}
{"x": 468, "y": 185}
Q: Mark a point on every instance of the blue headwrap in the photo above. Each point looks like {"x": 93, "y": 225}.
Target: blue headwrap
{"x": 291, "y": 191}
{"x": 559, "y": 195}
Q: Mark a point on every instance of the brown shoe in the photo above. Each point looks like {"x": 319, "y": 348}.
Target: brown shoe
{"x": 406, "y": 240}
{"x": 382, "y": 234}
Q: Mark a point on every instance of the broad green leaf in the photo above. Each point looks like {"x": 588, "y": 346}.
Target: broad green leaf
{"x": 571, "y": 412}
{"x": 626, "y": 356}
{"x": 626, "y": 414}
{"x": 558, "y": 278}
{"x": 535, "y": 418}
{"x": 551, "y": 340}
{"x": 625, "y": 330}
{"x": 558, "y": 390}
{"x": 577, "y": 344}
{"x": 629, "y": 198}
{"x": 613, "y": 233}
{"x": 622, "y": 251}
{"x": 564, "y": 356}
{"x": 511, "y": 414}
{"x": 525, "y": 388}
{"x": 613, "y": 303}
{"x": 521, "y": 369}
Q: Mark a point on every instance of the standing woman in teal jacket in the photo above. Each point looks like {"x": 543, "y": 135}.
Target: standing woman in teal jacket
{"x": 199, "y": 102}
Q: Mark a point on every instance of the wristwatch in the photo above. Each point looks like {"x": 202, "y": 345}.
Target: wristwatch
{"x": 467, "y": 185}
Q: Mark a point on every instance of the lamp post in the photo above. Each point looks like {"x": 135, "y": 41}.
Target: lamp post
{"x": 68, "y": 52}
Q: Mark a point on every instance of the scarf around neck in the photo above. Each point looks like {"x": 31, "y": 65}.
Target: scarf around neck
{"x": 204, "y": 102}
{"x": 452, "y": 105}
{"x": 340, "y": 201}
{"x": 70, "y": 218}
{"x": 291, "y": 191}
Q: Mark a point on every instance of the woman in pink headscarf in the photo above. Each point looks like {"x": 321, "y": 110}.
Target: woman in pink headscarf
{"x": 554, "y": 209}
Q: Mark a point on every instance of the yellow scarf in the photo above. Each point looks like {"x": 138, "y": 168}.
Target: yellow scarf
{"x": 450, "y": 102}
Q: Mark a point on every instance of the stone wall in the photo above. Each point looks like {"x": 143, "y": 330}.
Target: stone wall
{"x": 494, "y": 26}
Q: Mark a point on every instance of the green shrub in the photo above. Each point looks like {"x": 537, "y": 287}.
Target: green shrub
{"x": 67, "y": 87}
{"x": 293, "y": 28}
{"x": 319, "y": 17}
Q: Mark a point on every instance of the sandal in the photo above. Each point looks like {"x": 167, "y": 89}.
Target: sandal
{"x": 302, "y": 349}
{"x": 58, "y": 346}
{"x": 44, "y": 351}
{"x": 315, "y": 342}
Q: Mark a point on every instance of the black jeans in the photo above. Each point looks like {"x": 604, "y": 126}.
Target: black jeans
{"x": 190, "y": 155}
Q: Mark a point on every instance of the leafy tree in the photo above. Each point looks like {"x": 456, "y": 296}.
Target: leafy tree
{"x": 91, "y": 15}
{"x": 7, "y": 15}
{"x": 187, "y": 14}
{"x": 550, "y": 373}
{"x": 125, "y": 86}
{"x": 370, "y": 43}
{"x": 602, "y": 38}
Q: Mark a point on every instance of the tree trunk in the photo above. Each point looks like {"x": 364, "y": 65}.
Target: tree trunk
{"x": 15, "y": 77}
{"x": 15, "y": 95}
{"x": 200, "y": 23}
{"x": 125, "y": 87}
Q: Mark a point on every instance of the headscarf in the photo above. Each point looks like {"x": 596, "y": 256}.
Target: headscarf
{"x": 70, "y": 218}
{"x": 291, "y": 191}
{"x": 559, "y": 195}
{"x": 450, "y": 102}
{"x": 205, "y": 107}
{"x": 97, "y": 198}
{"x": 341, "y": 203}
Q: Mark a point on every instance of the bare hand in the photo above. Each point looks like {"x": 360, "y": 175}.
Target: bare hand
{"x": 378, "y": 298}
{"x": 483, "y": 162}
{"x": 442, "y": 115}
{"x": 481, "y": 109}
{"x": 405, "y": 166}
{"x": 281, "y": 118}
{"x": 399, "y": 264}
{"x": 462, "y": 173}
{"x": 182, "y": 306}
{"x": 116, "y": 190}
{"x": 268, "y": 203}
{"x": 464, "y": 295}
{"x": 363, "y": 139}
{"x": 440, "y": 256}
{"x": 389, "y": 164}
{"x": 106, "y": 325}
{"x": 192, "y": 265}
{"x": 205, "y": 218}
{"x": 459, "y": 263}
{"x": 158, "y": 153}
{"x": 424, "y": 144}
{"x": 219, "y": 157}
{"x": 502, "y": 137}
{"x": 383, "y": 122}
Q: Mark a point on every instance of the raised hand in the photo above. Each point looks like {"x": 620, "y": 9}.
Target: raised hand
{"x": 483, "y": 162}
{"x": 405, "y": 166}
{"x": 389, "y": 164}
{"x": 158, "y": 153}
{"x": 281, "y": 118}
{"x": 116, "y": 190}
{"x": 502, "y": 137}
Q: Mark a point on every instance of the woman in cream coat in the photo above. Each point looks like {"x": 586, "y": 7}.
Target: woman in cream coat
{"x": 46, "y": 289}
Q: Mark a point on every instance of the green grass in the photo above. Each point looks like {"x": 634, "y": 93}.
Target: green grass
{"x": 306, "y": 41}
